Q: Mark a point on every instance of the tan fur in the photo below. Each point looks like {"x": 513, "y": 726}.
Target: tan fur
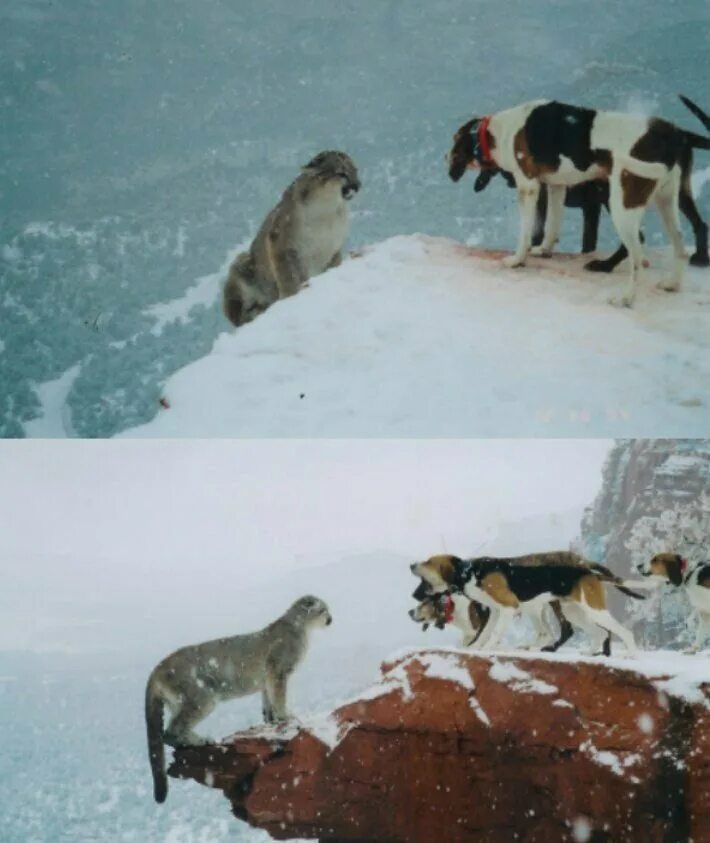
{"x": 438, "y": 570}
{"x": 496, "y": 586}
{"x": 592, "y": 589}
{"x": 301, "y": 237}
{"x": 667, "y": 565}
{"x": 194, "y": 679}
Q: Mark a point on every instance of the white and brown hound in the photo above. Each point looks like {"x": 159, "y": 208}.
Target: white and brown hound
{"x": 548, "y": 142}
{"x": 694, "y": 579}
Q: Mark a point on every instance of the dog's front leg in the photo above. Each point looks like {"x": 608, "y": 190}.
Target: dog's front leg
{"x": 553, "y": 221}
{"x": 528, "y": 191}
{"x": 505, "y": 617}
{"x": 701, "y": 633}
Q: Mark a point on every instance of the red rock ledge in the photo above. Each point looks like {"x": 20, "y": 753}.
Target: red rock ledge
{"x": 451, "y": 746}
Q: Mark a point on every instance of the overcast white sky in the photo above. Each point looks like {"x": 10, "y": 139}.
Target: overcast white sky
{"x": 275, "y": 503}
{"x": 170, "y": 533}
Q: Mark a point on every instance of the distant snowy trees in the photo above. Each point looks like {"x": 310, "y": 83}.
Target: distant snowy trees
{"x": 666, "y": 617}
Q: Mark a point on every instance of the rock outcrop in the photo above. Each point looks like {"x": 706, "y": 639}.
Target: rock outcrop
{"x": 453, "y": 746}
{"x": 642, "y": 477}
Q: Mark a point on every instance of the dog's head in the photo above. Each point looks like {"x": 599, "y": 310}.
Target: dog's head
{"x": 468, "y": 152}
{"x": 332, "y": 164}
{"x": 670, "y": 567}
{"x": 439, "y": 572}
{"x": 431, "y": 611}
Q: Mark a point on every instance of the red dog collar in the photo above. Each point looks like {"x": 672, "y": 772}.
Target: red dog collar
{"x": 448, "y": 609}
{"x": 483, "y": 144}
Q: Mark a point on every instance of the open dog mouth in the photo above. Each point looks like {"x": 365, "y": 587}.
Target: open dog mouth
{"x": 349, "y": 190}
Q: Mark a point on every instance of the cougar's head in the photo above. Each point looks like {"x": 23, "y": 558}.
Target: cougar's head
{"x": 332, "y": 164}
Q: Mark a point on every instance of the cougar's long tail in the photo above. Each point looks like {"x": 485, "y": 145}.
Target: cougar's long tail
{"x": 156, "y": 751}
{"x": 232, "y": 302}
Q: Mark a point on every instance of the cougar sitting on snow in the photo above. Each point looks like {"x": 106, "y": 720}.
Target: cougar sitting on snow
{"x": 301, "y": 237}
{"x": 192, "y": 680}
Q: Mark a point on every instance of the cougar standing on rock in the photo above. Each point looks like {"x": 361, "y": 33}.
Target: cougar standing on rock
{"x": 301, "y": 237}
{"x": 192, "y": 680}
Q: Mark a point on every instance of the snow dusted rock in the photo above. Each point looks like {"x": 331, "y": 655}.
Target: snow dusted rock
{"x": 422, "y": 336}
{"x": 453, "y": 746}
{"x": 642, "y": 478}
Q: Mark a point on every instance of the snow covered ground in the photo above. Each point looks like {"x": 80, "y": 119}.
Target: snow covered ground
{"x": 422, "y": 336}
{"x": 128, "y": 173}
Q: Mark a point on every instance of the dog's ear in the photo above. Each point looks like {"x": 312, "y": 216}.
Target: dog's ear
{"x": 674, "y": 567}
{"x": 455, "y": 577}
{"x": 449, "y": 569}
{"x": 483, "y": 179}
{"x": 509, "y": 178}
{"x": 421, "y": 591}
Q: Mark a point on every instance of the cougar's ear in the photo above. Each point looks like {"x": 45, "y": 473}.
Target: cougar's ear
{"x": 316, "y": 162}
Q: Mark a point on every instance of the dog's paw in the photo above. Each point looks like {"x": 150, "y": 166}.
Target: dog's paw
{"x": 700, "y": 259}
{"x": 690, "y": 651}
{"x": 599, "y": 265}
{"x": 622, "y": 301}
{"x": 513, "y": 261}
{"x": 669, "y": 286}
{"x": 539, "y": 252}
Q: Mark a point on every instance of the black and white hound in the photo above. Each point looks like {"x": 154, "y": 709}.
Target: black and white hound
{"x": 559, "y": 145}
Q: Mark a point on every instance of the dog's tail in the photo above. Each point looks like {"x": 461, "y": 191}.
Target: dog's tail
{"x": 696, "y": 110}
{"x": 241, "y": 270}
{"x": 643, "y": 169}
{"x": 607, "y": 575}
{"x": 156, "y": 751}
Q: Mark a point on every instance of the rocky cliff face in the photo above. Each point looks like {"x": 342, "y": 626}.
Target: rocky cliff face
{"x": 453, "y": 746}
{"x": 642, "y": 477}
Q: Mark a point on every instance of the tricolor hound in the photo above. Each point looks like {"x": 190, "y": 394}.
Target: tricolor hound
{"x": 695, "y": 579}
{"x": 506, "y": 586}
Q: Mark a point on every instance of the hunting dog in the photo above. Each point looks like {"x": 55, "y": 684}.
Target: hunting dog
{"x": 591, "y": 196}
{"x": 474, "y": 619}
{"x": 439, "y": 610}
{"x": 506, "y": 585}
{"x": 694, "y": 579}
{"x": 560, "y": 145}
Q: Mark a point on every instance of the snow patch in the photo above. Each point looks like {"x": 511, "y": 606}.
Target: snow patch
{"x": 440, "y": 666}
{"x": 360, "y": 336}
{"x": 327, "y": 729}
{"x": 519, "y": 680}
{"x": 608, "y": 759}
{"x": 55, "y": 419}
